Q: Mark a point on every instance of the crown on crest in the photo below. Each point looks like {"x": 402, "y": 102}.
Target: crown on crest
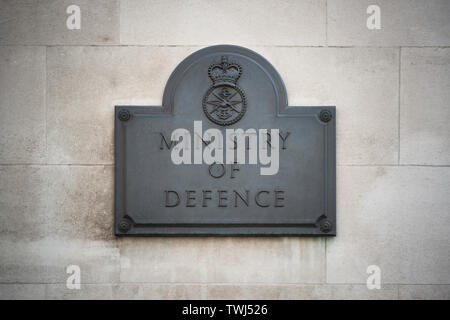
{"x": 224, "y": 72}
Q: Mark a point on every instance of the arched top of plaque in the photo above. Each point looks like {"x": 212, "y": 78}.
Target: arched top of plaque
{"x": 219, "y": 68}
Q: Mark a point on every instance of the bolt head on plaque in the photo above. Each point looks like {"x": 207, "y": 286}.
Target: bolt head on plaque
{"x": 124, "y": 115}
{"x": 325, "y": 116}
{"x": 325, "y": 226}
{"x": 125, "y": 225}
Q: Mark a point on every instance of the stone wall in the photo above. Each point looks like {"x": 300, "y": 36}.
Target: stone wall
{"x": 391, "y": 87}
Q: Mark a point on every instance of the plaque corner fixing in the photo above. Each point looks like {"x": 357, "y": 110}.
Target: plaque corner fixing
{"x": 124, "y": 115}
{"x": 125, "y": 224}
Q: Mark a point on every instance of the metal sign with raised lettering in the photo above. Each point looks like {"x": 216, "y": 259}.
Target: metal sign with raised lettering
{"x": 225, "y": 154}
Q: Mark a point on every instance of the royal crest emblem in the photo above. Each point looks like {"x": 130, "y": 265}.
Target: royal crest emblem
{"x": 224, "y": 103}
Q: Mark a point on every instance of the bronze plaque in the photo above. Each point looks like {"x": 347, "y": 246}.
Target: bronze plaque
{"x": 225, "y": 155}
